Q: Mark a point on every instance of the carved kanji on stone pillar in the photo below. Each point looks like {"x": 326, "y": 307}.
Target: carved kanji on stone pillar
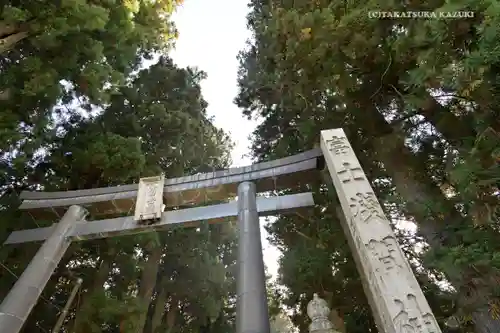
{"x": 397, "y": 302}
{"x": 318, "y": 311}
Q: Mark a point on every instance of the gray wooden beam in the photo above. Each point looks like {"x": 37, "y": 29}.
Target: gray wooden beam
{"x": 187, "y": 217}
{"x": 183, "y": 191}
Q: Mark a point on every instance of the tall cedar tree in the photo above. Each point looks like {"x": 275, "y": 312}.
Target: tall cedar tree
{"x": 417, "y": 99}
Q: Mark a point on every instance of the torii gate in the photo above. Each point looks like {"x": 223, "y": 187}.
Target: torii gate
{"x": 395, "y": 297}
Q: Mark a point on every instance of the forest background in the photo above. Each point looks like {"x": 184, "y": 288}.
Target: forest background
{"x": 417, "y": 98}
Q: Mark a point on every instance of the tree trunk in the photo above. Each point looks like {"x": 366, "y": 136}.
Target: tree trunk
{"x": 425, "y": 200}
{"x": 11, "y": 34}
{"x": 148, "y": 281}
{"x": 159, "y": 310}
{"x": 8, "y": 42}
{"x": 5, "y": 94}
{"x": 171, "y": 316}
{"x": 450, "y": 126}
{"x": 456, "y": 131}
{"x": 99, "y": 280}
{"x": 7, "y": 29}
{"x": 484, "y": 322}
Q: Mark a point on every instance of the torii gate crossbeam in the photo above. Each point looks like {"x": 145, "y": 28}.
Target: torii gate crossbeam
{"x": 188, "y": 217}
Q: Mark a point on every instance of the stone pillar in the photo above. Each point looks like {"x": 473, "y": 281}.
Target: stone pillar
{"x": 252, "y": 315}
{"x": 318, "y": 311}
{"x": 395, "y": 297}
{"x": 17, "y": 305}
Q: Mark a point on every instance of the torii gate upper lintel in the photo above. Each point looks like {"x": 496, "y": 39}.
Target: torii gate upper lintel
{"x": 182, "y": 191}
{"x": 396, "y": 299}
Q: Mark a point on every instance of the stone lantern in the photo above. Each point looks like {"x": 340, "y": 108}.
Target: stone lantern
{"x": 318, "y": 311}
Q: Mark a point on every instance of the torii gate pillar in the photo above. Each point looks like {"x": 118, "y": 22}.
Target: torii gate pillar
{"x": 395, "y": 296}
{"x": 252, "y": 314}
{"x": 16, "y": 307}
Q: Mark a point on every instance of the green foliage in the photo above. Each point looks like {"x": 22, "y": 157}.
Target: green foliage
{"x": 79, "y": 114}
{"x": 13, "y": 14}
{"x": 53, "y": 53}
{"x": 418, "y": 100}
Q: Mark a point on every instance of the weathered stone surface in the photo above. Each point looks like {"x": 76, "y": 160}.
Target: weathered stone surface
{"x": 318, "y": 311}
{"x": 149, "y": 199}
{"x": 396, "y": 299}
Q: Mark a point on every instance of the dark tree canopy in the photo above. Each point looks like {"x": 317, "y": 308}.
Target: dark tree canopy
{"x": 78, "y": 112}
{"x": 417, "y": 99}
